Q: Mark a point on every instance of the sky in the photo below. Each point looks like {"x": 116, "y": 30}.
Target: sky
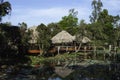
{"x": 35, "y": 12}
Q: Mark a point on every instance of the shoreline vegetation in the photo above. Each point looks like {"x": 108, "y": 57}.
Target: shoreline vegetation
{"x": 79, "y": 58}
{"x": 62, "y": 66}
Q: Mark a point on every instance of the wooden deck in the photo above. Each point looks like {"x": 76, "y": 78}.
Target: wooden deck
{"x": 61, "y": 49}
{"x": 34, "y": 51}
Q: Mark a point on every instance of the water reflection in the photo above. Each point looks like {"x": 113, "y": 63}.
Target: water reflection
{"x": 57, "y": 78}
{"x": 91, "y": 72}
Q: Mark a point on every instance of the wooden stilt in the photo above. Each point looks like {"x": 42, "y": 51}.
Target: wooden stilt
{"x": 58, "y": 54}
{"x": 66, "y": 48}
{"x": 58, "y": 50}
{"x": 95, "y": 54}
{"x": 85, "y": 54}
{"x": 75, "y": 49}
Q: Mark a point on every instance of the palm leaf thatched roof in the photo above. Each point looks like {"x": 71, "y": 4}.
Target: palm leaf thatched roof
{"x": 63, "y": 37}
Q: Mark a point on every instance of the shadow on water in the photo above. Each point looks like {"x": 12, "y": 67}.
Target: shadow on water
{"x": 96, "y": 72}
{"x": 20, "y": 72}
{"x": 45, "y": 72}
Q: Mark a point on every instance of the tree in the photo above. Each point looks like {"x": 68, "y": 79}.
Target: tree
{"x": 108, "y": 23}
{"x": 10, "y": 38}
{"x": 54, "y": 28}
{"x": 102, "y": 26}
{"x": 3, "y": 40}
{"x": 97, "y": 33}
{"x": 23, "y": 25}
{"x": 81, "y": 30}
{"x": 43, "y": 38}
{"x": 116, "y": 35}
{"x": 11, "y": 47}
{"x": 25, "y": 37}
{"x": 5, "y": 8}
{"x": 23, "y": 32}
{"x": 69, "y": 21}
{"x": 97, "y": 7}
{"x": 105, "y": 18}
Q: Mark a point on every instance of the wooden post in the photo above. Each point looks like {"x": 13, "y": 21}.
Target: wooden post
{"x": 58, "y": 54}
{"x": 58, "y": 50}
{"x": 75, "y": 49}
{"x": 79, "y": 47}
{"x": 85, "y": 54}
{"x": 66, "y": 48}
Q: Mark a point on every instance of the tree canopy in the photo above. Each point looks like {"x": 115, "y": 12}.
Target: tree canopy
{"x": 69, "y": 21}
{"x": 5, "y": 8}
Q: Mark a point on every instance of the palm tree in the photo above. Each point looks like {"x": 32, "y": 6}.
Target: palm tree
{"x": 5, "y": 8}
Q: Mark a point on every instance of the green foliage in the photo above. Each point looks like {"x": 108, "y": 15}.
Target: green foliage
{"x": 43, "y": 38}
{"x": 23, "y": 26}
{"x": 96, "y": 5}
{"x": 24, "y": 38}
{"x": 108, "y": 23}
{"x": 102, "y": 26}
{"x": 72, "y": 30}
{"x": 12, "y": 41}
{"x": 104, "y": 17}
{"x": 25, "y": 34}
{"x": 81, "y": 31}
{"x": 69, "y": 21}
{"x": 3, "y": 41}
{"x": 10, "y": 38}
{"x": 5, "y": 8}
{"x": 97, "y": 31}
{"x": 54, "y": 28}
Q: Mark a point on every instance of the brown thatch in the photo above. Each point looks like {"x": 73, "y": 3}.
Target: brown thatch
{"x": 63, "y": 37}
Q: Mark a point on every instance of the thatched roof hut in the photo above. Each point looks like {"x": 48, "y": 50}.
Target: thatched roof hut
{"x": 63, "y": 37}
{"x": 34, "y": 35}
{"x": 86, "y": 40}
{"x": 82, "y": 39}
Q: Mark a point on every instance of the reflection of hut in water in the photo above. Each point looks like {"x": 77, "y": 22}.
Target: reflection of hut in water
{"x": 63, "y": 72}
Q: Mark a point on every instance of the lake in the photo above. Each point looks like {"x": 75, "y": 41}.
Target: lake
{"x": 73, "y": 72}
